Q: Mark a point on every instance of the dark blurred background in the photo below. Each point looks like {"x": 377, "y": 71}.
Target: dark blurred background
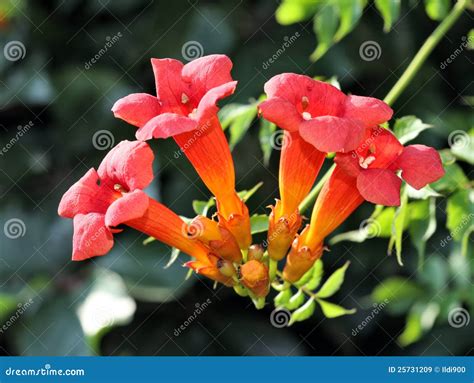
{"x": 126, "y": 303}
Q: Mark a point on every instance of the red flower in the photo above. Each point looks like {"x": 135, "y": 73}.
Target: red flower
{"x": 321, "y": 113}
{"x": 185, "y": 109}
{"x": 367, "y": 173}
{"x": 113, "y": 195}
{"x": 318, "y": 118}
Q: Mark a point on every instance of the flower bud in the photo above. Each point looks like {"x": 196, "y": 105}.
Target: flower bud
{"x": 254, "y": 276}
{"x": 226, "y": 267}
{"x": 255, "y": 253}
{"x": 226, "y": 247}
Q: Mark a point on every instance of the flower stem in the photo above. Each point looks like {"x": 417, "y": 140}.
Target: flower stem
{"x": 424, "y": 52}
{"x": 311, "y": 197}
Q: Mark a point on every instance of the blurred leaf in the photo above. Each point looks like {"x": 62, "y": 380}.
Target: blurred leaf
{"x": 413, "y": 330}
{"x": 7, "y": 305}
{"x": 294, "y": 11}
{"x": 333, "y": 283}
{"x": 246, "y": 194}
{"x": 422, "y": 224}
{"x": 317, "y": 274}
{"x": 238, "y": 118}
{"x": 202, "y": 207}
{"x": 460, "y": 213}
{"x": 265, "y": 136}
{"x": 304, "y": 312}
{"x": 296, "y": 300}
{"x": 437, "y": 9}
{"x": 464, "y": 148}
{"x": 408, "y": 128}
{"x": 435, "y": 274}
{"x": 282, "y": 298}
{"x": 399, "y": 292}
{"x": 389, "y": 9}
{"x": 325, "y": 26}
{"x": 452, "y": 180}
{"x": 350, "y": 13}
{"x": 173, "y": 257}
{"x": 423, "y": 193}
{"x": 331, "y": 310}
{"x": 259, "y": 223}
{"x": 399, "y": 225}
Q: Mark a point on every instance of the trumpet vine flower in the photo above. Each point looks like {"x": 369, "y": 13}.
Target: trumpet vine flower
{"x": 317, "y": 118}
{"x": 368, "y": 173}
{"x": 185, "y": 108}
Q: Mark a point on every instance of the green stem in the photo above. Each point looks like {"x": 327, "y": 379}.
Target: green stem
{"x": 311, "y": 197}
{"x": 424, "y": 52}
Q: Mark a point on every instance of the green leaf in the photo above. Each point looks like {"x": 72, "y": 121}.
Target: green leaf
{"x": 462, "y": 145}
{"x": 294, "y": 11}
{"x": 399, "y": 292}
{"x": 422, "y": 224}
{"x": 7, "y": 305}
{"x": 267, "y": 129}
{"x": 350, "y": 13}
{"x": 413, "y": 330}
{"x": 331, "y": 310}
{"x": 316, "y": 276}
{"x": 408, "y": 128}
{"x": 453, "y": 179}
{"x": 246, "y": 194}
{"x": 325, "y": 26}
{"x": 296, "y": 300}
{"x": 460, "y": 214}
{"x": 202, "y": 207}
{"x": 333, "y": 283}
{"x": 304, "y": 312}
{"x": 282, "y": 298}
{"x": 437, "y": 9}
{"x": 259, "y": 223}
{"x": 241, "y": 123}
{"x": 389, "y": 9}
{"x": 399, "y": 225}
{"x": 423, "y": 193}
{"x": 435, "y": 274}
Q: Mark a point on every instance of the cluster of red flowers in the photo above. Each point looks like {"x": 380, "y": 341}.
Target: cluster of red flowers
{"x": 317, "y": 119}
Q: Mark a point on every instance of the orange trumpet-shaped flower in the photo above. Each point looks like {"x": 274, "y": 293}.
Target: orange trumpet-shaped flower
{"x": 185, "y": 109}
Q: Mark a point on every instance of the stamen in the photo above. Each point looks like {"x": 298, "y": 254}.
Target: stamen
{"x": 306, "y": 115}
{"x": 304, "y": 102}
{"x": 184, "y": 98}
{"x": 119, "y": 188}
{"x": 193, "y": 113}
{"x": 364, "y": 163}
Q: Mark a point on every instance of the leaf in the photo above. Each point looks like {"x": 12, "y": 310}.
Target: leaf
{"x": 325, "y": 26}
{"x": 296, "y": 300}
{"x": 294, "y": 11}
{"x": 7, "y": 305}
{"x": 423, "y": 193}
{"x": 350, "y": 13}
{"x": 238, "y": 118}
{"x": 408, "y": 128}
{"x": 316, "y": 276}
{"x": 413, "y": 330}
{"x": 202, "y": 207}
{"x": 282, "y": 298}
{"x": 463, "y": 147}
{"x": 333, "y": 283}
{"x": 259, "y": 223}
{"x": 399, "y": 292}
{"x": 246, "y": 194}
{"x": 389, "y": 9}
{"x": 331, "y": 310}
{"x": 265, "y": 136}
{"x": 422, "y": 224}
{"x": 435, "y": 274}
{"x": 453, "y": 179}
{"x": 460, "y": 214}
{"x": 399, "y": 225}
{"x": 437, "y": 9}
{"x": 304, "y": 312}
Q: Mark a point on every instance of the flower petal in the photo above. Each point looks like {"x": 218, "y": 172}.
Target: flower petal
{"x": 81, "y": 197}
{"x": 207, "y": 107}
{"x": 131, "y": 206}
{"x": 91, "y": 236}
{"x": 380, "y": 186}
{"x": 281, "y": 112}
{"x": 129, "y": 164}
{"x": 367, "y": 109}
{"x": 137, "y": 108}
{"x": 206, "y": 73}
{"x": 332, "y": 134}
{"x": 420, "y": 165}
{"x": 383, "y": 145}
{"x": 169, "y": 84}
{"x": 166, "y": 125}
{"x": 348, "y": 163}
